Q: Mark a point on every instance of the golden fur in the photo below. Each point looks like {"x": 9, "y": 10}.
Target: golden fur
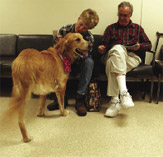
{"x": 41, "y": 73}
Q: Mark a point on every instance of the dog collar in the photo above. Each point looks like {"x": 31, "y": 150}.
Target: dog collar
{"x": 67, "y": 64}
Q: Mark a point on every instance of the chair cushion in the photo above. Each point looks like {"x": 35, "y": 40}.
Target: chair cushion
{"x": 142, "y": 69}
{"x": 5, "y": 65}
{"x": 8, "y": 44}
{"x": 39, "y": 42}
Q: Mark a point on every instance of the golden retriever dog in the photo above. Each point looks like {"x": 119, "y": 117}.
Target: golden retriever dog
{"x": 42, "y": 73}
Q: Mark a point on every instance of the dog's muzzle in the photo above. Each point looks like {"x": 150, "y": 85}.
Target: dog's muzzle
{"x": 80, "y": 52}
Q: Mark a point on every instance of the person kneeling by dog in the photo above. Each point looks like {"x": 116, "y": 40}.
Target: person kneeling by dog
{"x": 87, "y": 20}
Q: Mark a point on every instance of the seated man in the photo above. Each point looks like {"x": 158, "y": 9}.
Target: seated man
{"x": 120, "y": 57}
{"x": 87, "y": 20}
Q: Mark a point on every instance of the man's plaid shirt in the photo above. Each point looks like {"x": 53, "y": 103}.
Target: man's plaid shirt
{"x": 116, "y": 34}
{"x": 71, "y": 28}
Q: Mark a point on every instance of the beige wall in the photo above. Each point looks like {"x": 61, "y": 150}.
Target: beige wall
{"x": 43, "y": 16}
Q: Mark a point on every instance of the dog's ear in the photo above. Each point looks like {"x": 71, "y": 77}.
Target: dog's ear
{"x": 69, "y": 55}
{"x": 69, "y": 50}
{"x": 61, "y": 45}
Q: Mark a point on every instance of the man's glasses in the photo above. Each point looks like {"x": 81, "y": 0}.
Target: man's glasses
{"x": 123, "y": 15}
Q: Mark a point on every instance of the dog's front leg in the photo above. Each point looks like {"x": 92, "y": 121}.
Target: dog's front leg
{"x": 41, "y": 109}
{"x": 60, "y": 96}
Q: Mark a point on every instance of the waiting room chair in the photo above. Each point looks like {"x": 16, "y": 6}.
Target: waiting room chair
{"x": 158, "y": 68}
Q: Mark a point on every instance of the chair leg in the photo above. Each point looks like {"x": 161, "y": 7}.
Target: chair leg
{"x": 151, "y": 91}
{"x": 158, "y": 88}
{"x": 145, "y": 87}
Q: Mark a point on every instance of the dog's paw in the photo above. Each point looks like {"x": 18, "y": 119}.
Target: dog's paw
{"x": 40, "y": 115}
{"x": 26, "y": 140}
{"x": 66, "y": 112}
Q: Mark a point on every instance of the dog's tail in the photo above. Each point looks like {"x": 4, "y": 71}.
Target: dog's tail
{"x": 9, "y": 118}
{"x": 19, "y": 97}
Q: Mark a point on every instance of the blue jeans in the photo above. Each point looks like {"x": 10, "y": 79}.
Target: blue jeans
{"x": 86, "y": 66}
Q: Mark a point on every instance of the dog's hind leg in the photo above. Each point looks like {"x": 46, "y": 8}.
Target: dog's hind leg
{"x": 42, "y": 106}
{"x": 25, "y": 94}
{"x": 18, "y": 101}
{"x": 22, "y": 125}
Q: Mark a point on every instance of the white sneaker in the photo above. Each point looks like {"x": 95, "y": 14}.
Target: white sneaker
{"x": 113, "y": 109}
{"x": 126, "y": 100}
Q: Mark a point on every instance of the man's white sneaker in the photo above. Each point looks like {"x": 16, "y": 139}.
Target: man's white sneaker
{"x": 113, "y": 109}
{"x": 126, "y": 100}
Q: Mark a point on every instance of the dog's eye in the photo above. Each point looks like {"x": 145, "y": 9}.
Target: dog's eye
{"x": 78, "y": 39}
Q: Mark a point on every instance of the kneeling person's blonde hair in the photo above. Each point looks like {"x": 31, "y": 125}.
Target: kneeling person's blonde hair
{"x": 90, "y": 18}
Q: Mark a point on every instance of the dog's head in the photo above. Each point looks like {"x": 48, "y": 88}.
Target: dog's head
{"x": 72, "y": 46}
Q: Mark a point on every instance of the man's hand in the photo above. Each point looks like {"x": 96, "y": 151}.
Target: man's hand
{"x": 102, "y": 49}
{"x": 134, "y": 47}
